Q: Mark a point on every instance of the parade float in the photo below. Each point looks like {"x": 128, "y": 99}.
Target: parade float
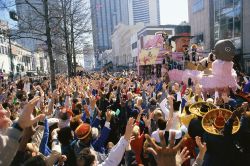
{"x": 175, "y": 58}
{"x": 151, "y": 57}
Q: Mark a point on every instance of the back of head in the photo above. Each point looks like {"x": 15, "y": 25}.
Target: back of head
{"x": 85, "y": 157}
{"x": 157, "y": 114}
{"x": 161, "y": 123}
{"x": 65, "y": 135}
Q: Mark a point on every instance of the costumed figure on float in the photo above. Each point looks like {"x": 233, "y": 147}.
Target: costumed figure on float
{"x": 211, "y": 74}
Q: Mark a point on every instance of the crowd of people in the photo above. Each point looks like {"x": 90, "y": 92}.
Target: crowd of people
{"x": 101, "y": 119}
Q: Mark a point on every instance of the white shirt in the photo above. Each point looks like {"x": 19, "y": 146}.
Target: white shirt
{"x": 156, "y": 136}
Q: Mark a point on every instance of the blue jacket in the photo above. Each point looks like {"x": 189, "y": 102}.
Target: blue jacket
{"x": 158, "y": 87}
{"x": 44, "y": 149}
{"x": 97, "y": 144}
{"x": 246, "y": 88}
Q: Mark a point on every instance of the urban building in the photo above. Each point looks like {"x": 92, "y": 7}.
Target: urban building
{"x": 89, "y": 59}
{"x": 40, "y": 61}
{"x": 106, "y": 15}
{"x": 31, "y": 22}
{"x": 22, "y": 58}
{"x": 107, "y": 57}
{"x": 28, "y": 17}
{"x": 146, "y": 11}
{"x": 4, "y": 48}
{"x": 245, "y": 35}
{"x": 226, "y": 19}
{"x": 201, "y": 20}
{"x": 121, "y": 44}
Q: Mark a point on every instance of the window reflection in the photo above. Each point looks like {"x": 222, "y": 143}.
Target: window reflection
{"x": 227, "y": 19}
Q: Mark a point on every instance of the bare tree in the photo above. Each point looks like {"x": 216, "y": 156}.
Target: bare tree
{"x": 64, "y": 26}
{"x": 36, "y": 24}
{"x": 76, "y": 28}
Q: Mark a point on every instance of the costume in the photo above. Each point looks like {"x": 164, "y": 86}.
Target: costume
{"x": 221, "y": 75}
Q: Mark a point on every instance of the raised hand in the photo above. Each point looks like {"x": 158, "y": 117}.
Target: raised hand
{"x": 40, "y": 90}
{"x": 202, "y": 146}
{"x": 26, "y": 118}
{"x": 164, "y": 154}
{"x": 129, "y": 129}
{"x": 147, "y": 121}
{"x": 5, "y": 121}
{"x": 108, "y": 115}
{"x": 184, "y": 155}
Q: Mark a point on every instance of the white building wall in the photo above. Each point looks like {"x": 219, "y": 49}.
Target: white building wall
{"x": 153, "y": 13}
{"x": 146, "y": 11}
{"x": 121, "y": 43}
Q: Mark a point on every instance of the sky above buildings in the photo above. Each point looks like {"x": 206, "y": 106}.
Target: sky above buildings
{"x": 173, "y": 11}
{"x": 5, "y": 7}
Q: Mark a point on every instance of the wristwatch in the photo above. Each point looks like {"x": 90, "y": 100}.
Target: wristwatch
{"x": 16, "y": 126}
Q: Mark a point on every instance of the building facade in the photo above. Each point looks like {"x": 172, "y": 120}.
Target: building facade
{"x": 223, "y": 19}
{"x": 89, "y": 59}
{"x": 31, "y": 22}
{"x": 245, "y": 6}
{"x": 121, "y": 44}
{"x": 40, "y": 61}
{"x": 106, "y": 15}
{"x": 4, "y": 48}
{"x": 22, "y": 58}
{"x": 146, "y": 11}
{"x": 201, "y": 20}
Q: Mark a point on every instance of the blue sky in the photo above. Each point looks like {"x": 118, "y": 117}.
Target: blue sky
{"x": 173, "y": 11}
{"x": 4, "y": 13}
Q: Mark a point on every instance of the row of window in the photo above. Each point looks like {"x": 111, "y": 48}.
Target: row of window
{"x": 4, "y": 50}
{"x": 2, "y": 39}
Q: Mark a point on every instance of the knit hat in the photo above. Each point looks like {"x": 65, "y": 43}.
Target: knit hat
{"x": 83, "y": 130}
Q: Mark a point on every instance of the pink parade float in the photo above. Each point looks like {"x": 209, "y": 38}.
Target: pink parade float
{"x": 220, "y": 76}
{"x": 211, "y": 74}
{"x": 181, "y": 64}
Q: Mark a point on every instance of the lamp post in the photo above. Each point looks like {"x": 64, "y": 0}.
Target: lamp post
{"x": 14, "y": 17}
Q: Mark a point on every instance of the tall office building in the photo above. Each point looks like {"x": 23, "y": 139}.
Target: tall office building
{"x": 106, "y": 15}
{"x": 201, "y": 20}
{"x": 31, "y": 22}
{"x": 213, "y": 20}
{"x": 146, "y": 11}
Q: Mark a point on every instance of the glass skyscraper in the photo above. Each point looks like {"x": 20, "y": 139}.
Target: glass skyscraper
{"x": 227, "y": 21}
{"x": 106, "y": 14}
